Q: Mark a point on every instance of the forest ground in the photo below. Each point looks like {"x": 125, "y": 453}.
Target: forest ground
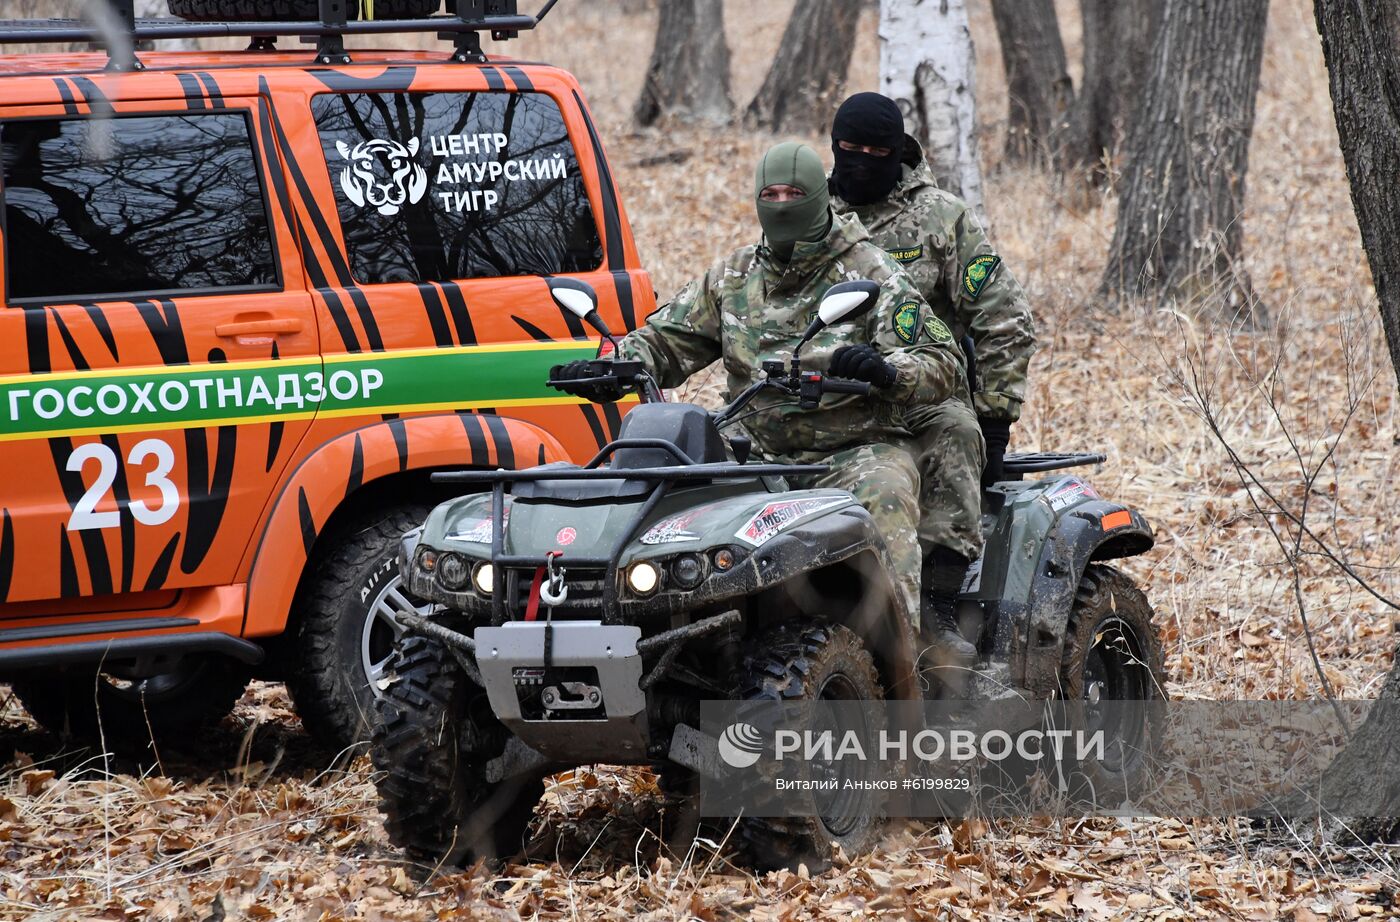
{"x": 256, "y": 824}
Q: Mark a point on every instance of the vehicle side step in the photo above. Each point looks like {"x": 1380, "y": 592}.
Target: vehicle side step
{"x": 131, "y": 648}
{"x": 1035, "y": 462}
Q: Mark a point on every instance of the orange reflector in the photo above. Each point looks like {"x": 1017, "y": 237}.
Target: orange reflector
{"x": 1116, "y": 520}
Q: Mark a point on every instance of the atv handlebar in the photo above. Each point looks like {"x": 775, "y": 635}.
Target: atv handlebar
{"x": 807, "y": 386}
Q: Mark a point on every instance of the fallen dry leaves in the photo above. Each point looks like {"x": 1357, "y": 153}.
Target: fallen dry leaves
{"x": 255, "y": 825}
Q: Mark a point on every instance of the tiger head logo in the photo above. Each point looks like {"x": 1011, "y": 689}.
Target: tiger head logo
{"x": 382, "y": 174}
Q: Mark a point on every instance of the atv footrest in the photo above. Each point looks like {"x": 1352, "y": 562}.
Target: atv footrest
{"x": 1037, "y": 461}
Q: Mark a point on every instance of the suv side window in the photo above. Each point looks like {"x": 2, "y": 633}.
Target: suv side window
{"x": 443, "y": 186}
{"x": 133, "y": 205}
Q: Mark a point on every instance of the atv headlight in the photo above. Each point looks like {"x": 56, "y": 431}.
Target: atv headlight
{"x": 453, "y": 571}
{"x": 427, "y": 559}
{"x": 484, "y": 578}
{"x": 643, "y": 577}
{"x": 688, "y": 570}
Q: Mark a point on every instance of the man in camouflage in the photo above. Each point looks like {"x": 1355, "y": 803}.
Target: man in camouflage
{"x": 880, "y": 176}
{"x": 756, "y": 303}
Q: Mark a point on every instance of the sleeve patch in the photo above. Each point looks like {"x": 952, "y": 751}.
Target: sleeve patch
{"x": 906, "y": 321}
{"x": 907, "y": 255}
{"x": 978, "y": 274}
{"x": 937, "y": 331}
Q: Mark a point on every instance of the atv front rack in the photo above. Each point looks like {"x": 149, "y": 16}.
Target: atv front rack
{"x": 688, "y": 470}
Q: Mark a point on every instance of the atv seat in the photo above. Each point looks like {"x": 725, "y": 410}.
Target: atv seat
{"x": 684, "y": 425}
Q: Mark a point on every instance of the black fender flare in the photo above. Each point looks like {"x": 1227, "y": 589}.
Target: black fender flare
{"x": 1096, "y": 530}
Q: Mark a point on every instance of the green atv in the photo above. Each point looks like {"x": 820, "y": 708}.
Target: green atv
{"x": 582, "y": 613}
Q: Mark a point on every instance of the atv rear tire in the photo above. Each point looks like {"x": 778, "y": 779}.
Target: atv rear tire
{"x": 434, "y": 735}
{"x": 123, "y": 715}
{"x": 291, "y": 10}
{"x": 1112, "y": 656}
{"x": 793, "y": 663}
{"x": 345, "y": 631}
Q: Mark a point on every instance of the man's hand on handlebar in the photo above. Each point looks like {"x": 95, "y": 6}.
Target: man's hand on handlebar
{"x": 590, "y": 380}
{"x": 862, "y": 363}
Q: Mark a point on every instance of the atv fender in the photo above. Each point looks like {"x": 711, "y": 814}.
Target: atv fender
{"x": 836, "y": 564}
{"x": 1034, "y": 606}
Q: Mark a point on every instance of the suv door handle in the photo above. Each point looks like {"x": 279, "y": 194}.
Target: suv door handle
{"x": 283, "y": 326}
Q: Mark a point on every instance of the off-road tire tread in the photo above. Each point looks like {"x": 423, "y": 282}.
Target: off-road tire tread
{"x": 785, "y": 664}
{"x": 291, "y": 10}
{"x": 428, "y": 753}
{"x": 63, "y": 703}
{"x": 1103, "y": 589}
{"x": 320, "y": 683}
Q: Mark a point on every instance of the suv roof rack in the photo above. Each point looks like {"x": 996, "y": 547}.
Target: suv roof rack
{"x": 114, "y": 27}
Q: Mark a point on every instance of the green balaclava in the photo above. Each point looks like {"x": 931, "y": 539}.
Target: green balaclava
{"x": 785, "y": 224}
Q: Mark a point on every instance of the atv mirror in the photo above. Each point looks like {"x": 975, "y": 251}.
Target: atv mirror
{"x": 847, "y": 301}
{"x": 579, "y": 298}
{"x": 842, "y": 301}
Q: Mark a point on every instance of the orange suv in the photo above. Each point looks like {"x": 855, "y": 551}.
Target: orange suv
{"x": 251, "y": 301}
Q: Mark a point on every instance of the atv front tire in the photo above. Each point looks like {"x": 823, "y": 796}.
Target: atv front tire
{"x": 123, "y": 715}
{"x": 813, "y": 662}
{"x": 433, "y": 738}
{"x": 345, "y": 631}
{"x": 291, "y": 10}
{"x": 1112, "y": 669}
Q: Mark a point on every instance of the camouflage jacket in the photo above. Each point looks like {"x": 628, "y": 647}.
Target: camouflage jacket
{"x": 939, "y": 242}
{"x": 746, "y": 309}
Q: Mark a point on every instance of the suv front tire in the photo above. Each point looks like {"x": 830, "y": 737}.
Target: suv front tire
{"x": 346, "y": 629}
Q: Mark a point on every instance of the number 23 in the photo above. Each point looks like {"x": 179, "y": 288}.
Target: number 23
{"x": 85, "y": 514}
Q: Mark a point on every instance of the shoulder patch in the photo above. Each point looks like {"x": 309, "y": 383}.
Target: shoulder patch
{"x": 906, "y": 321}
{"x": 937, "y": 331}
{"x": 978, "y": 274}
{"x": 907, "y": 255}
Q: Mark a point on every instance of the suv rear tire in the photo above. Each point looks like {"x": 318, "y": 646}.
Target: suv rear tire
{"x": 98, "y": 707}
{"x": 345, "y": 632}
{"x": 291, "y": 10}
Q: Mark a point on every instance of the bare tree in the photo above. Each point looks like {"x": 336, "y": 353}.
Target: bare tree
{"x": 804, "y": 85}
{"x": 1118, "y": 39}
{"x": 1038, "y": 84}
{"x": 688, "y": 77}
{"x": 1179, "y": 231}
{"x": 926, "y": 65}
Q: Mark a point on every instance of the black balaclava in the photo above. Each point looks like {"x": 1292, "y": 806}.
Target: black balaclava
{"x": 786, "y": 224}
{"x": 870, "y": 120}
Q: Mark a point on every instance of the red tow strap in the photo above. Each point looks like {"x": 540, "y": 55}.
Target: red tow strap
{"x": 532, "y": 607}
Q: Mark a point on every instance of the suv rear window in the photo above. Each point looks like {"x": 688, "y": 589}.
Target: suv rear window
{"x": 442, "y": 186}
{"x": 133, "y": 205}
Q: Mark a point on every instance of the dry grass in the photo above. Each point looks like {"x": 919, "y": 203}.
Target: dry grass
{"x": 277, "y": 837}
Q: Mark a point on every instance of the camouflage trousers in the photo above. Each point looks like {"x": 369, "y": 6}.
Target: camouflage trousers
{"x": 922, "y": 492}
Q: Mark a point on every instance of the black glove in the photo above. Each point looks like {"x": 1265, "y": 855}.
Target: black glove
{"x": 862, "y": 363}
{"x": 996, "y": 433}
{"x": 596, "y": 391}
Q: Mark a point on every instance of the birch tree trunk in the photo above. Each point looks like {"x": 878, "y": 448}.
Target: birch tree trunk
{"x": 926, "y": 65}
{"x": 1039, "y": 89}
{"x": 804, "y": 85}
{"x": 1179, "y": 232}
{"x": 688, "y": 77}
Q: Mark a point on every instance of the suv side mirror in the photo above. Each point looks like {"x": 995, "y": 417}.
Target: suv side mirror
{"x": 579, "y": 298}
{"x": 842, "y": 301}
